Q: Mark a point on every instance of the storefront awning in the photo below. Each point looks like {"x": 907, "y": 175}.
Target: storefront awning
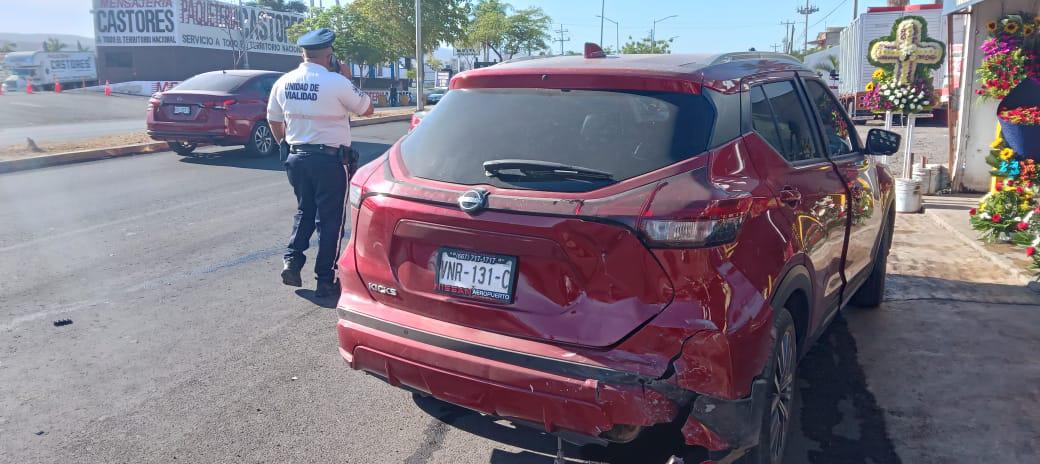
{"x": 950, "y": 6}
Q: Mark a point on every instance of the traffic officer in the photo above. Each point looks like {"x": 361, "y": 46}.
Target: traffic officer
{"x": 309, "y": 111}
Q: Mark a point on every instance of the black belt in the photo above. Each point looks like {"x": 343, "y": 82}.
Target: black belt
{"x": 318, "y": 148}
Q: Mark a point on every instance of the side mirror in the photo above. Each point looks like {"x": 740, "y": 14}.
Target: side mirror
{"x": 881, "y": 142}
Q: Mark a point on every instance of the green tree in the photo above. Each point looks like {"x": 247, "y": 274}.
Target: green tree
{"x": 443, "y": 21}
{"x": 54, "y": 45}
{"x": 528, "y": 31}
{"x": 81, "y": 48}
{"x": 827, "y": 65}
{"x": 489, "y": 27}
{"x": 646, "y": 45}
{"x": 358, "y": 39}
{"x": 8, "y": 47}
{"x": 292, "y": 6}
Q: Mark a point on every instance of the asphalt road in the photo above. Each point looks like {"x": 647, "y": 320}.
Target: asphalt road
{"x": 185, "y": 347}
{"x": 51, "y": 117}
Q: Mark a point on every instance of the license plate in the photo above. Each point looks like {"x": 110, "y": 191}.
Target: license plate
{"x": 181, "y": 110}
{"x": 480, "y": 276}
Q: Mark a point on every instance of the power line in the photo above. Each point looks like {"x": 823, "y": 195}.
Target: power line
{"x": 829, "y": 14}
{"x": 806, "y": 11}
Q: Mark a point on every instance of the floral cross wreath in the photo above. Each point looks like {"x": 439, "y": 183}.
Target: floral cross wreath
{"x": 907, "y": 49}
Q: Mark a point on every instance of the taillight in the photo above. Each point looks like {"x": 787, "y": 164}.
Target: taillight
{"x": 416, "y": 119}
{"x": 223, "y": 105}
{"x": 153, "y": 103}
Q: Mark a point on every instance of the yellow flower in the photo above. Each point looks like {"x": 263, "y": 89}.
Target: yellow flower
{"x": 1000, "y": 134}
{"x": 996, "y": 143}
{"x": 991, "y": 26}
{"x": 1028, "y": 30}
{"x": 1007, "y": 154}
{"x": 879, "y": 73}
{"x": 870, "y": 86}
{"x": 1011, "y": 27}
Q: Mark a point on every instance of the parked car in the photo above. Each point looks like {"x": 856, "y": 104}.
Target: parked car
{"x": 217, "y": 108}
{"x": 595, "y": 245}
{"x": 435, "y": 96}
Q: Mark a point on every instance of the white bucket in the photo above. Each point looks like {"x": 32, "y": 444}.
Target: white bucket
{"x": 936, "y": 181}
{"x": 924, "y": 176}
{"x": 908, "y": 196}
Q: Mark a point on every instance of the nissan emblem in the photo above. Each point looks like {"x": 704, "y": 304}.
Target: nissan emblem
{"x": 473, "y": 201}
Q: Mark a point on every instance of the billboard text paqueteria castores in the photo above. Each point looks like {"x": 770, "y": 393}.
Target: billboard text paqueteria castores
{"x": 191, "y": 23}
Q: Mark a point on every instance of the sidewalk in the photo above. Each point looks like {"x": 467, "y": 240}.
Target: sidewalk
{"x": 950, "y": 212}
{"x": 950, "y": 356}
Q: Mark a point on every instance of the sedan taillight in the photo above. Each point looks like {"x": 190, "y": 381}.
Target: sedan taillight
{"x": 719, "y": 224}
{"x": 222, "y": 105}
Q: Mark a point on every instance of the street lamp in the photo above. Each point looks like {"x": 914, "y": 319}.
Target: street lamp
{"x": 617, "y": 33}
{"x": 602, "y": 9}
{"x": 653, "y": 31}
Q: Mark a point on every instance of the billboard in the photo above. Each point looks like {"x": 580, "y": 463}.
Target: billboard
{"x": 208, "y": 24}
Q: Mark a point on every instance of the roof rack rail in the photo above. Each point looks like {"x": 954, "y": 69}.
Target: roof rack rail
{"x": 739, "y": 56}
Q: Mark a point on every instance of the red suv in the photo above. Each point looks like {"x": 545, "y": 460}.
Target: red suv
{"x": 592, "y": 246}
{"x": 217, "y": 108}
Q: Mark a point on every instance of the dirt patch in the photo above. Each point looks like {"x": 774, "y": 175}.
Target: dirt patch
{"x": 24, "y": 151}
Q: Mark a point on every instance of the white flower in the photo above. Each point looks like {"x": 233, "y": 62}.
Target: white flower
{"x": 926, "y": 102}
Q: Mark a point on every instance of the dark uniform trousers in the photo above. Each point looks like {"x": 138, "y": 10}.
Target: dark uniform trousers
{"x": 320, "y": 183}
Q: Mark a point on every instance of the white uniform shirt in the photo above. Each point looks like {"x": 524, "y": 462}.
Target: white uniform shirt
{"x": 314, "y": 103}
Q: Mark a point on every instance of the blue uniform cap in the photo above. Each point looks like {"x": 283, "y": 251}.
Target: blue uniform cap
{"x": 316, "y": 39}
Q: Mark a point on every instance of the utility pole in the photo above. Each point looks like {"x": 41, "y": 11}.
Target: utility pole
{"x": 561, "y": 32}
{"x": 602, "y": 10}
{"x": 419, "y": 99}
{"x": 788, "y": 35}
{"x": 806, "y": 11}
{"x": 855, "y": 9}
{"x": 653, "y": 32}
{"x": 776, "y": 48}
{"x": 617, "y": 34}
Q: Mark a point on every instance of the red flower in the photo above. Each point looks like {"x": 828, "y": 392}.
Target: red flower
{"x": 1023, "y": 225}
{"x": 1030, "y": 251}
{"x": 997, "y": 218}
{"x": 999, "y": 185}
{"x": 971, "y": 212}
{"x": 1020, "y": 189}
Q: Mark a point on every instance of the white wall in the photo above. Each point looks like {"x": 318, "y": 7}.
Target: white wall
{"x": 978, "y": 119}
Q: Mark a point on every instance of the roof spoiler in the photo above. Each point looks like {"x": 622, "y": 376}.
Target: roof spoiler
{"x": 740, "y": 56}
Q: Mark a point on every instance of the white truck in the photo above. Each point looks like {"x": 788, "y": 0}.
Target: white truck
{"x": 44, "y": 69}
{"x": 854, "y": 68}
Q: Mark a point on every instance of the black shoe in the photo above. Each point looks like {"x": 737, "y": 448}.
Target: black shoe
{"x": 326, "y": 289}
{"x": 291, "y": 274}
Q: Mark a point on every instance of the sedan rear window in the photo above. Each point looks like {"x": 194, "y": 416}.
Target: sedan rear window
{"x": 624, "y": 133}
{"x": 213, "y": 81}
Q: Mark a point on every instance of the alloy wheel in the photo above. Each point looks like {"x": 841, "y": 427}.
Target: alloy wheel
{"x": 262, "y": 139}
{"x": 783, "y": 396}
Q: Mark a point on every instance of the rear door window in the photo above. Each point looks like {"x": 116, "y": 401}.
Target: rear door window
{"x": 793, "y": 134}
{"x": 625, "y": 133}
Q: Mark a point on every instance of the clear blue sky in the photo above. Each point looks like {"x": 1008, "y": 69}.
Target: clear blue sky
{"x": 701, "y": 25}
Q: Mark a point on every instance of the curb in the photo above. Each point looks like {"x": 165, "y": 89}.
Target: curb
{"x": 381, "y": 120}
{"x": 998, "y": 260}
{"x": 81, "y": 156}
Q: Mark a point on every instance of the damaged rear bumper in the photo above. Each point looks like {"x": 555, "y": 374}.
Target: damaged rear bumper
{"x": 581, "y": 403}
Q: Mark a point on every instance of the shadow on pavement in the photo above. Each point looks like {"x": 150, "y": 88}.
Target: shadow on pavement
{"x": 838, "y": 421}
{"x": 308, "y": 294}
{"x": 239, "y": 158}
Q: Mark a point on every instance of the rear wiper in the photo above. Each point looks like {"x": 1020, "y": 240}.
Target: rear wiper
{"x": 537, "y": 168}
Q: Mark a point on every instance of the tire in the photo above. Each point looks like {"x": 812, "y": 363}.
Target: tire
{"x": 261, "y": 141}
{"x": 182, "y": 148}
{"x": 872, "y": 293}
{"x": 777, "y": 414}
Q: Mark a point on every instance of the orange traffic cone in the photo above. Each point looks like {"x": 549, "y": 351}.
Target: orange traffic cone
{"x": 57, "y": 87}
{"x": 28, "y": 87}
{"x": 108, "y": 89}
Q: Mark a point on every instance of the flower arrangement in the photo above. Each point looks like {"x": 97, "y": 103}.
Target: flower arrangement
{"x": 1028, "y": 116}
{"x": 1001, "y": 213}
{"x": 883, "y": 94}
{"x": 1007, "y": 61}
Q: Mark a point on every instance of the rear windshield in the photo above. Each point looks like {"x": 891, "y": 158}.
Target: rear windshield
{"x": 625, "y": 133}
{"x": 214, "y": 81}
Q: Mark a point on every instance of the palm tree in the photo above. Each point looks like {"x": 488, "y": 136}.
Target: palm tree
{"x": 54, "y": 45}
{"x": 81, "y": 48}
{"x": 828, "y": 65}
